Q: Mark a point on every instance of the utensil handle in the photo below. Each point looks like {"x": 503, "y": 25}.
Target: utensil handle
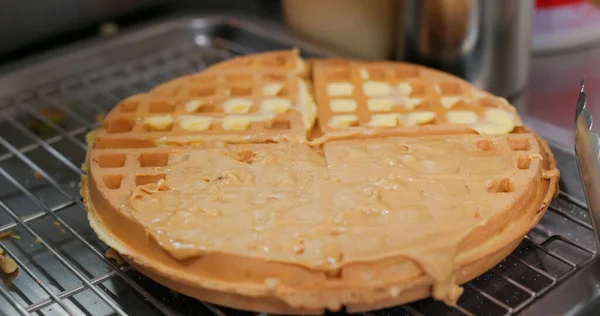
{"x": 587, "y": 150}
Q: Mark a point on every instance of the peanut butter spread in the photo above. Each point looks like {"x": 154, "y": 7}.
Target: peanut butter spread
{"x": 296, "y": 220}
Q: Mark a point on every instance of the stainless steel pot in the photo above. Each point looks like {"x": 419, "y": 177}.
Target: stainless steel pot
{"x": 487, "y": 42}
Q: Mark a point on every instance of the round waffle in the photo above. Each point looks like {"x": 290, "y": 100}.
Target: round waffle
{"x": 269, "y": 184}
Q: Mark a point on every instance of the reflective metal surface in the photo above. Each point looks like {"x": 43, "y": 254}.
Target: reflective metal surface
{"x": 487, "y": 42}
{"x": 61, "y": 261}
{"x": 587, "y": 149}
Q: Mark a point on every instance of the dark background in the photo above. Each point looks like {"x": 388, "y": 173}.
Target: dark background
{"x": 30, "y": 27}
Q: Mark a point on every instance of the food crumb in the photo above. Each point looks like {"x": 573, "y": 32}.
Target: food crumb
{"x": 108, "y": 28}
{"x": 9, "y": 235}
{"x": 57, "y": 224}
{"x": 8, "y": 265}
{"x": 113, "y": 254}
{"x": 63, "y": 231}
{"x": 37, "y": 175}
{"x": 54, "y": 115}
{"x": 394, "y": 291}
{"x": 271, "y": 283}
{"x": 8, "y": 279}
{"x": 38, "y": 241}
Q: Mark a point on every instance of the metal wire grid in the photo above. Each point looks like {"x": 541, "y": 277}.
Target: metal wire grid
{"x": 62, "y": 265}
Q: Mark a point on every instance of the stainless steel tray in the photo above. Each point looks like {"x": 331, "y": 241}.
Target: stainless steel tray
{"x": 62, "y": 264}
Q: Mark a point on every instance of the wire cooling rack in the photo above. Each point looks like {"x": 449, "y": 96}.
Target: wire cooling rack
{"x": 62, "y": 264}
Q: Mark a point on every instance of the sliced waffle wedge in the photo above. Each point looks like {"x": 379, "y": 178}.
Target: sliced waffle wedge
{"x": 249, "y": 99}
{"x": 403, "y": 99}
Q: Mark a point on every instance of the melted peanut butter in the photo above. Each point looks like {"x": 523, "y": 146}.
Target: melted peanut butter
{"x": 360, "y": 201}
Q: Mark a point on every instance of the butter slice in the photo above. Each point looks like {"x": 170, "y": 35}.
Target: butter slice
{"x": 450, "y": 100}
{"x": 340, "y": 121}
{"x": 412, "y": 103}
{"x": 499, "y": 116}
{"x": 271, "y": 89}
{"x": 462, "y": 117}
{"x": 497, "y": 122}
{"x": 236, "y": 122}
{"x": 275, "y": 105}
{"x": 418, "y": 118}
{"x": 384, "y": 120}
{"x": 193, "y": 106}
{"x": 159, "y": 122}
{"x": 376, "y": 88}
{"x": 363, "y": 73}
{"x": 195, "y": 123}
{"x": 237, "y": 105}
{"x": 337, "y": 89}
{"x": 342, "y": 105}
{"x": 486, "y": 128}
{"x": 404, "y": 88}
{"x": 380, "y": 105}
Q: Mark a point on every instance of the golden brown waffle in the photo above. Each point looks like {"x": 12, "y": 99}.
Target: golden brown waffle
{"x": 254, "y": 99}
{"x": 404, "y": 99}
{"x": 260, "y": 220}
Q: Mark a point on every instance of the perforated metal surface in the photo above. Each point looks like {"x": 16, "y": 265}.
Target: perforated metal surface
{"x": 62, "y": 264}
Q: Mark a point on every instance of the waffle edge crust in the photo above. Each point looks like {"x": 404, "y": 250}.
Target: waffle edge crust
{"x": 251, "y": 185}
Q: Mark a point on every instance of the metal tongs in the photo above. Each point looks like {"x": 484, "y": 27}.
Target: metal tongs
{"x": 587, "y": 150}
